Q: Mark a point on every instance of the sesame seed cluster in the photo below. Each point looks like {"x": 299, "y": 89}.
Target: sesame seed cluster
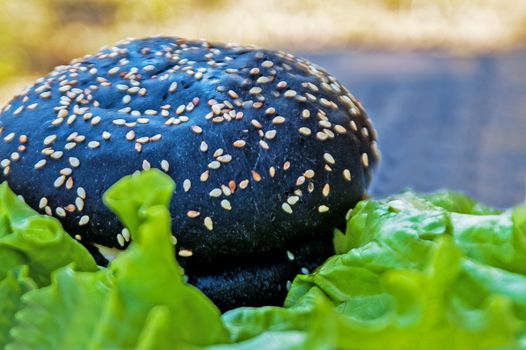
{"x": 265, "y": 148}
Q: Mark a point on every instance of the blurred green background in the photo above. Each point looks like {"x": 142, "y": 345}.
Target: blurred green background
{"x": 36, "y": 35}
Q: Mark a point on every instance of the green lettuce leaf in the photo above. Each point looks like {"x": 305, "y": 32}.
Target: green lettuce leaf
{"x": 436, "y": 271}
{"x": 140, "y": 301}
{"x": 16, "y": 283}
{"x": 414, "y": 272}
{"x": 37, "y": 241}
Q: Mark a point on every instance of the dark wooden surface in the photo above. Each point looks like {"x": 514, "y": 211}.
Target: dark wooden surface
{"x": 443, "y": 122}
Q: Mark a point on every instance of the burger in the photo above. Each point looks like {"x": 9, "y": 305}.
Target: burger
{"x": 268, "y": 152}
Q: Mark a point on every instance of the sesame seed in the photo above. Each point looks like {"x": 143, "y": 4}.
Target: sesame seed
{"x": 42, "y": 203}
{"x": 233, "y": 94}
{"x": 146, "y": 165}
{"x": 70, "y": 208}
{"x": 239, "y": 144}
{"x": 180, "y": 109}
{"x": 255, "y": 90}
{"x": 278, "y": 120}
{"x": 79, "y": 203}
{"x": 263, "y": 80}
{"x": 256, "y": 124}
{"x": 113, "y": 70}
{"x": 119, "y": 121}
{"x": 256, "y": 176}
{"x": 50, "y": 139}
{"x": 60, "y": 211}
{"x": 292, "y": 200}
{"x": 286, "y": 208}
{"x": 5, "y": 162}
{"x": 226, "y": 190}
{"x": 325, "y": 124}
{"x": 300, "y": 181}
{"x": 309, "y": 174}
{"x": 340, "y": 129}
{"x": 192, "y": 214}
{"x": 196, "y": 129}
{"x": 272, "y": 171}
{"x": 93, "y": 144}
{"x": 225, "y": 204}
{"x": 365, "y": 160}
{"x": 185, "y": 253}
{"x": 326, "y": 190}
{"x": 321, "y": 136}
{"x": 214, "y": 165}
{"x": 329, "y": 158}
{"x": 323, "y": 209}
{"x": 96, "y": 120}
{"x": 120, "y": 240}
{"x": 84, "y": 220}
{"x": 38, "y": 165}
{"x": 347, "y": 174}
{"x": 243, "y": 184}
{"x": 9, "y": 137}
{"x": 204, "y": 176}
{"x": 122, "y": 87}
{"x": 130, "y": 135}
{"x": 290, "y": 256}
{"x": 216, "y": 192}
{"x": 148, "y": 68}
{"x": 232, "y": 186}
{"x": 134, "y": 90}
{"x": 304, "y": 131}
{"x": 225, "y": 158}
{"x": 59, "y": 181}
{"x": 271, "y": 134}
{"x": 165, "y": 165}
{"x": 209, "y": 224}
{"x": 74, "y": 162}
{"x": 281, "y": 85}
{"x": 187, "y": 184}
{"x": 353, "y": 125}
{"x": 65, "y": 171}
{"x": 155, "y": 137}
{"x": 126, "y": 234}
{"x": 267, "y": 64}
{"x": 71, "y": 119}
{"x": 270, "y": 111}
{"x": 305, "y": 113}
{"x": 203, "y": 147}
{"x": 81, "y": 192}
{"x": 264, "y": 145}
{"x": 173, "y": 87}
{"x": 290, "y": 93}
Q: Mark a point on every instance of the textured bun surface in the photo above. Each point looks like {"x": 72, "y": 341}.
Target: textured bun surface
{"x": 267, "y": 150}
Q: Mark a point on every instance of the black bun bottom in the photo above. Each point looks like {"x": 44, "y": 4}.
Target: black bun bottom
{"x": 253, "y": 280}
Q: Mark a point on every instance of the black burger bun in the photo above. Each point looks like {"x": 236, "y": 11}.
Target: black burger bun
{"x": 268, "y": 152}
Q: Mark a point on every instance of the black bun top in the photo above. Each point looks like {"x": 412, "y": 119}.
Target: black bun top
{"x": 266, "y": 149}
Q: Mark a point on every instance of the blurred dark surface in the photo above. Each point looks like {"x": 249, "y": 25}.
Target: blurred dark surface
{"x": 443, "y": 122}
